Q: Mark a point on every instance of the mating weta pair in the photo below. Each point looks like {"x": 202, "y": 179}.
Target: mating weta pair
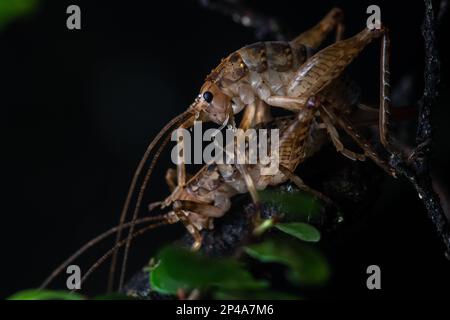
{"x": 288, "y": 75}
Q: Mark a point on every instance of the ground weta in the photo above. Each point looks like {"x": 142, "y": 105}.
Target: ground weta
{"x": 290, "y": 75}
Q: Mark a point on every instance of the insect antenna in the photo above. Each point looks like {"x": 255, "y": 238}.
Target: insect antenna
{"x": 136, "y": 211}
{"x": 91, "y": 243}
{"x": 118, "y": 245}
{"x": 175, "y": 121}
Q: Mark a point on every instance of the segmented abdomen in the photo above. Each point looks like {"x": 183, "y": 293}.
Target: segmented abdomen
{"x": 258, "y": 70}
{"x": 278, "y": 56}
{"x": 271, "y": 66}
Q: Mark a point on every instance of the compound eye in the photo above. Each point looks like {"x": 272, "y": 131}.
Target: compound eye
{"x": 208, "y": 96}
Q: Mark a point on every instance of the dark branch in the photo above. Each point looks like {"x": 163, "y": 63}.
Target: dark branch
{"x": 416, "y": 167}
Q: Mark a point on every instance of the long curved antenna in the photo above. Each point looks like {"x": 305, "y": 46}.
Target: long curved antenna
{"x": 92, "y": 242}
{"x": 132, "y": 187}
{"x": 136, "y": 211}
{"x": 117, "y": 246}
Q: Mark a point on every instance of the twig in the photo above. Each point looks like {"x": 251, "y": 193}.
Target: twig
{"x": 416, "y": 166}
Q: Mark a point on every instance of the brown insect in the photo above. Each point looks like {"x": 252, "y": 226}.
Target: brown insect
{"x": 207, "y": 195}
{"x": 287, "y": 75}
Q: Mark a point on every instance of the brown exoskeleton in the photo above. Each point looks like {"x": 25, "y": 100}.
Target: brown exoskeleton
{"x": 207, "y": 195}
{"x": 288, "y": 75}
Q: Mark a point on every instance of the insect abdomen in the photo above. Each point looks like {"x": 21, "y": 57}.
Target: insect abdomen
{"x": 276, "y": 55}
{"x": 258, "y": 70}
{"x": 270, "y": 66}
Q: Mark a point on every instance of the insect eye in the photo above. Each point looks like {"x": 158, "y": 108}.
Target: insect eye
{"x": 208, "y": 96}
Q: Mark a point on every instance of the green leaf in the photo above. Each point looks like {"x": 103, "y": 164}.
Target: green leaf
{"x": 11, "y": 9}
{"x": 297, "y": 205}
{"x": 300, "y": 230}
{"x": 306, "y": 264}
{"x": 182, "y": 269}
{"x": 163, "y": 282}
{"x": 36, "y": 294}
{"x": 263, "y": 294}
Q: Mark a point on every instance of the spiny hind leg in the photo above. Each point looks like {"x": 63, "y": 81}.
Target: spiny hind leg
{"x": 385, "y": 94}
{"x": 383, "y": 117}
{"x": 384, "y": 109}
{"x": 320, "y": 70}
{"x": 328, "y": 64}
{"x": 362, "y": 142}
{"x": 334, "y": 136}
{"x": 314, "y": 37}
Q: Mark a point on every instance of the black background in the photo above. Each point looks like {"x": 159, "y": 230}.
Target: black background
{"x": 79, "y": 107}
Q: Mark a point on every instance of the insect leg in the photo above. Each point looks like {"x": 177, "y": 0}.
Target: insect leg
{"x": 196, "y": 216}
{"x": 191, "y": 228}
{"x": 181, "y": 173}
{"x": 327, "y": 65}
{"x": 316, "y": 35}
{"x": 302, "y": 186}
{"x": 288, "y": 103}
{"x": 321, "y": 69}
{"x": 263, "y": 114}
{"x": 203, "y": 209}
{"x": 181, "y": 167}
{"x": 249, "y": 183}
{"x": 363, "y": 143}
{"x": 171, "y": 178}
{"x": 367, "y": 115}
{"x": 334, "y": 136}
{"x": 255, "y": 113}
{"x": 248, "y": 117}
{"x": 385, "y": 90}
